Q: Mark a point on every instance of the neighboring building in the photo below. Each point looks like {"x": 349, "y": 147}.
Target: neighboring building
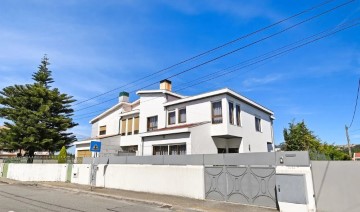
{"x": 163, "y": 122}
{"x": 356, "y": 156}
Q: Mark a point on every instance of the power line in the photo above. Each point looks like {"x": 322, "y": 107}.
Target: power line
{"x": 213, "y": 49}
{"x": 233, "y": 51}
{"x": 357, "y": 97}
{"x": 329, "y": 33}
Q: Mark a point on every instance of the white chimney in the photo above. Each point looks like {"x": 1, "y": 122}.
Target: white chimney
{"x": 123, "y": 96}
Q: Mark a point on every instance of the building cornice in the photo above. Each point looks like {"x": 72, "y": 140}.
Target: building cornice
{"x": 216, "y": 93}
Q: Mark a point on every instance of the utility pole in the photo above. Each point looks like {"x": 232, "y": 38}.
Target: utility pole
{"x": 348, "y": 140}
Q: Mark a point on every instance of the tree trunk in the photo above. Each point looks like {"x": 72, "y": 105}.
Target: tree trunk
{"x": 31, "y": 155}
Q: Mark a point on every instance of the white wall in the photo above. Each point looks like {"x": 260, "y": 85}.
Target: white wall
{"x": 111, "y": 121}
{"x": 151, "y": 105}
{"x": 201, "y": 141}
{"x": 186, "y": 181}
{"x": 37, "y": 172}
{"x": 80, "y": 174}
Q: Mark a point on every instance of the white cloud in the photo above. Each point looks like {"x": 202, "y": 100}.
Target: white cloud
{"x": 239, "y": 9}
{"x": 259, "y": 81}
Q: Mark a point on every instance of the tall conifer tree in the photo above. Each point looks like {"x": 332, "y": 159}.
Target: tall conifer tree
{"x": 38, "y": 115}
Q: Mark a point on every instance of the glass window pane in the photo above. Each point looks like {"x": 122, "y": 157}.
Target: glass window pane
{"x": 231, "y": 113}
{"x": 216, "y": 113}
{"x": 182, "y": 115}
{"x": 238, "y": 118}
{"x": 171, "y": 118}
{"x": 152, "y": 123}
{"x": 258, "y": 124}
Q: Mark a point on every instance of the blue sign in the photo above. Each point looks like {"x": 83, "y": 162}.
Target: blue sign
{"x": 95, "y": 146}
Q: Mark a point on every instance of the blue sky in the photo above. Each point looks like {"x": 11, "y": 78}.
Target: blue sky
{"x": 95, "y": 46}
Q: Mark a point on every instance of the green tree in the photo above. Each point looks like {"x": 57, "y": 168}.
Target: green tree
{"x": 38, "y": 115}
{"x": 299, "y": 138}
{"x": 62, "y": 155}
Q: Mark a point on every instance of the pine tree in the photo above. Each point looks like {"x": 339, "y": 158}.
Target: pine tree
{"x": 38, "y": 115}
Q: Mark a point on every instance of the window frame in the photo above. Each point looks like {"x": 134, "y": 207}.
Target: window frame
{"x": 149, "y": 129}
{"x": 171, "y": 112}
{"x": 217, "y": 116}
{"x": 179, "y": 115}
{"x": 231, "y": 113}
{"x": 258, "y": 129}
{"x": 238, "y": 114}
{"x": 161, "y": 146}
{"x": 102, "y": 132}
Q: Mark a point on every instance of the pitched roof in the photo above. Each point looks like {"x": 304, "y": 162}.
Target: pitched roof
{"x": 112, "y": 109}
{"x": 357, "y": 155}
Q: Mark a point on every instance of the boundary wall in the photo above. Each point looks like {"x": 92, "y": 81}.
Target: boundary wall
{"x": 37, "y": 172}
{"x": 336, "y": 185}
{"x": 249, "y": 175}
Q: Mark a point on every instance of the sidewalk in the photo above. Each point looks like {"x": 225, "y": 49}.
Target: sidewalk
{"x": 165, "y": 201}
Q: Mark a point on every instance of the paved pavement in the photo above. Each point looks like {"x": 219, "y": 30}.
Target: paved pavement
{"x": 56, "y": 196}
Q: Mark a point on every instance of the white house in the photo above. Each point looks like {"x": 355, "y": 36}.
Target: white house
{"x": 163, "y": 122}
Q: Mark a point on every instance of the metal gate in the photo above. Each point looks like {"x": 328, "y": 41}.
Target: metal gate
{"x": 241, "y": 184}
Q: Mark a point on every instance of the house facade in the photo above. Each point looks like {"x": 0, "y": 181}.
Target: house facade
{"x": 162, "y": 122}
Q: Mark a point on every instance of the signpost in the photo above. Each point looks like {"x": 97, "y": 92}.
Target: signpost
{"x": 95, "y": 146}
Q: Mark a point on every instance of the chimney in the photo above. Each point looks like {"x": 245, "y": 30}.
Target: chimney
{"x": 165, "y": 85}
{"x": 123, "y": 96}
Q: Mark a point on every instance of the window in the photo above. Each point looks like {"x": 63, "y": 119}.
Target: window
{"x": 160, "y": 150}
{"x": 171, "y": 117}
{"x": 182, "y": 115}
{"x": 136, "y": 125}
{"x": 231, "y": 113}
{"x": 257, "y": 124}
{"x": 233, "y": 150}
{"x": 129, "y": 149}
{"x": 129, "y": 128}
{"x": 238, "y": 118}
{"x": 152, "y": 123}
{"x": 178, "y": 149}
{"x": 102, "y": 130}
{"x": 123, "y": 127}
{"x": 216, "y": 113}
{"x": 221, "y": 150}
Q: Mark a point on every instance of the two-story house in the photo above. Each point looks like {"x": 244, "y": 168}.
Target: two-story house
{"x": 163, "y": 122}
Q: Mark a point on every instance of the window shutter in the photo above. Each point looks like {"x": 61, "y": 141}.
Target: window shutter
{"x": 129, "y": 128}
{"x": 123, "y": 126}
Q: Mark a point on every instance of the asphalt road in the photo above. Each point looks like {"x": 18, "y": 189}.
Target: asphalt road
{"x": 19, "y": 198}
